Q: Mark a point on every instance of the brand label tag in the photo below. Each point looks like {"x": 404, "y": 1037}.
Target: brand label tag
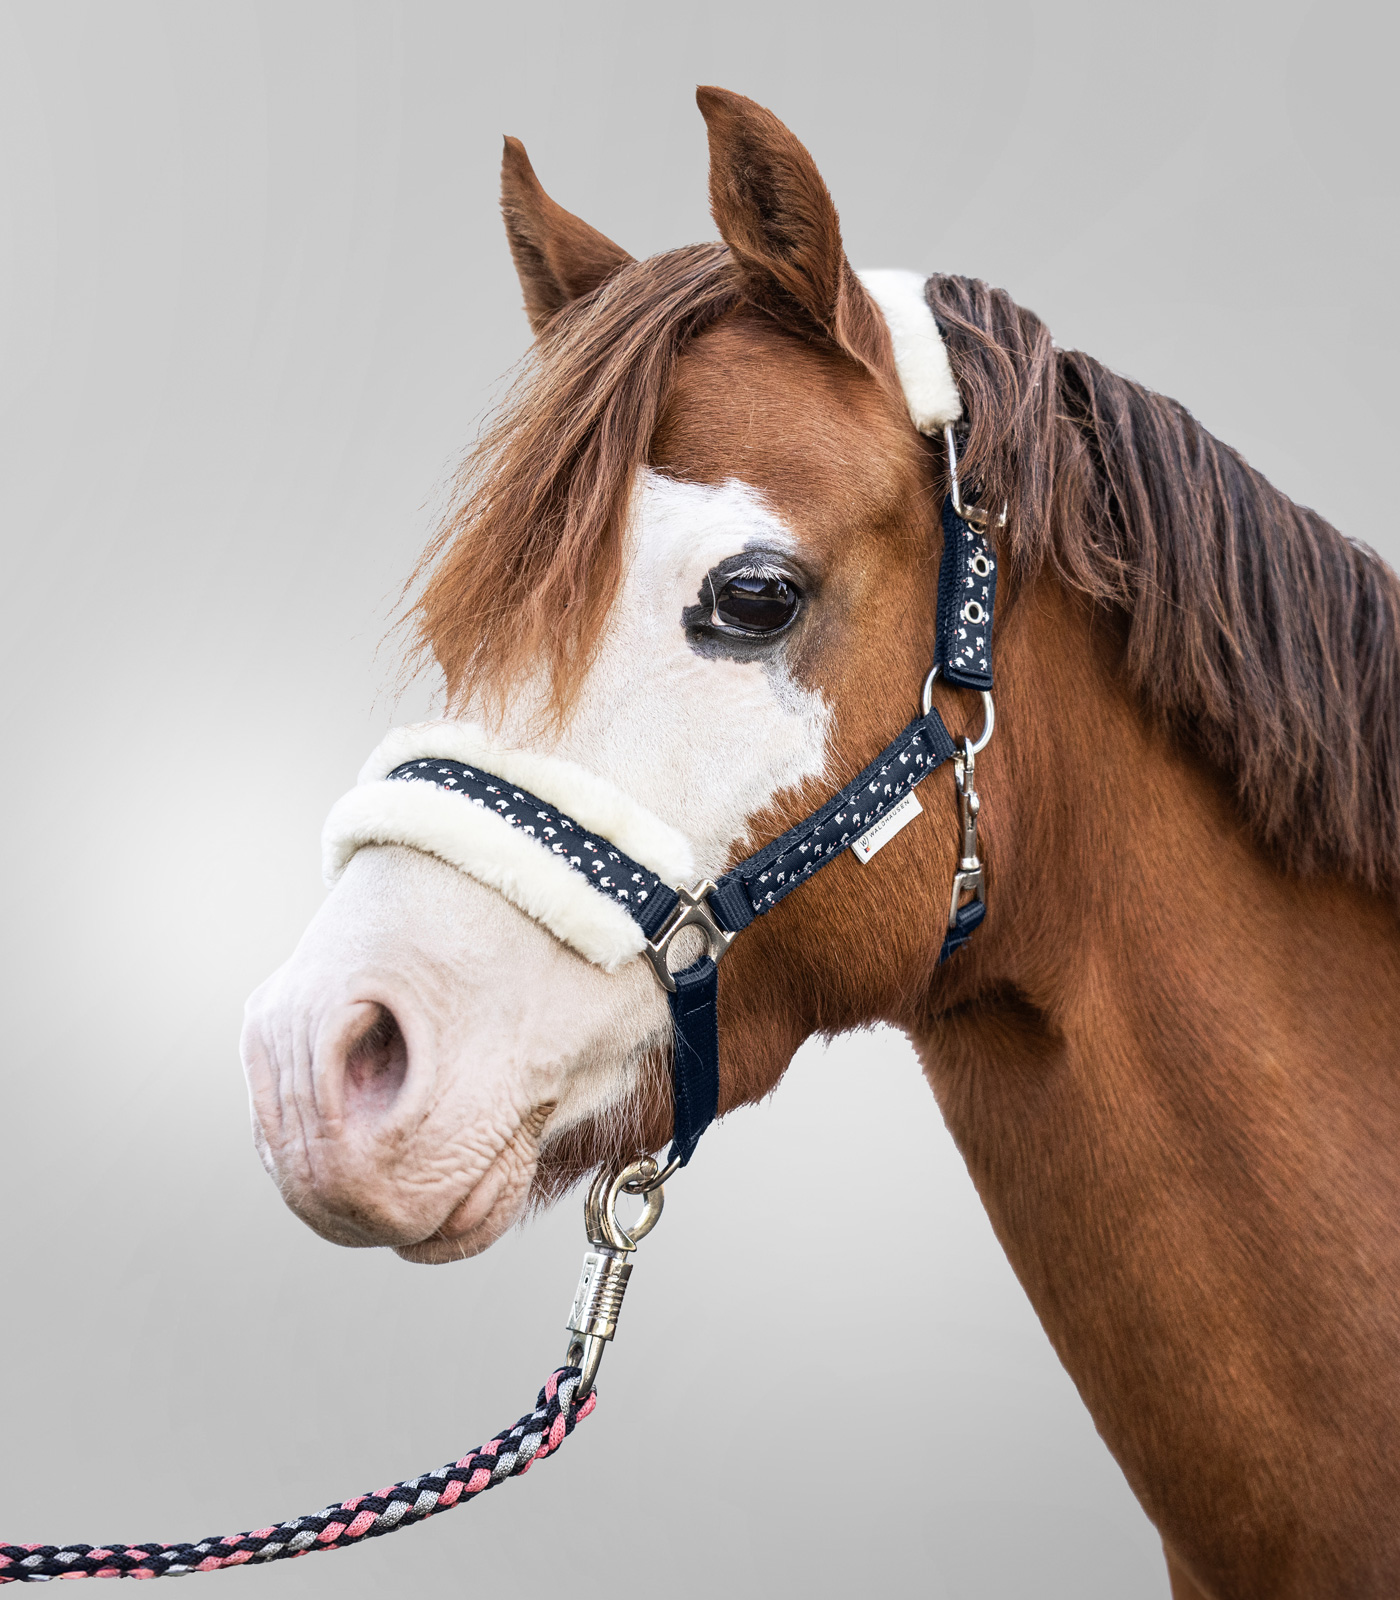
{"x": 900, "y": 815}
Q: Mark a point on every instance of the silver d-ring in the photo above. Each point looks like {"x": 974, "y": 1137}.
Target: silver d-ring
{"x": 989, "y": 711}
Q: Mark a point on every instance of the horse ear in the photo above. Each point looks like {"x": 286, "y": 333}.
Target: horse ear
{"x": 777, "y": 217}
{"x": 557, "y": 255}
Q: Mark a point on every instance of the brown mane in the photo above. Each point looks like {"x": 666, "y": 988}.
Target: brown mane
{"x": 1252, "y": 628}
{"x": 1258, "y": 633}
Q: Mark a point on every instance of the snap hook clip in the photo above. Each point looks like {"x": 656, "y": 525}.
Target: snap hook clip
{"x": 692, "y": 910}
{"x": 603, "y": 1279}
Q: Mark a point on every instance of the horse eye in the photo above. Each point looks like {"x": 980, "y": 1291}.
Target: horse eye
{"x": 755, "y": 604}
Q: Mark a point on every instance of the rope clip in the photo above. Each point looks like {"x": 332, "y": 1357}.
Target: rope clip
{"x": 969, "y": 878}
{"x": 603, "y": 1279}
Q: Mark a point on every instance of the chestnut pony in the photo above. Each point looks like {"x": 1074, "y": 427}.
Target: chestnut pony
{"x": 697, "y": 557}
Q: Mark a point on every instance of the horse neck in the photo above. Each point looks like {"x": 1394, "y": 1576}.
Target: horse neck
{"x": 1173, "y": 1075}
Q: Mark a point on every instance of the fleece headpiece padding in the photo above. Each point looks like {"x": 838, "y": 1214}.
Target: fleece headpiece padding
{"x": 478, "y": 842}
{"x": 920, "y": 357}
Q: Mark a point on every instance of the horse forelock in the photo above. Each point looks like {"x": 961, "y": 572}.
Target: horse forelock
{"x": 1251, "y": 628}
{"x": 521, "y": 574}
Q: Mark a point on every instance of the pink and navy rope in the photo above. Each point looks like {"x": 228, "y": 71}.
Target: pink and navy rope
{"x": 365, "y": 1516}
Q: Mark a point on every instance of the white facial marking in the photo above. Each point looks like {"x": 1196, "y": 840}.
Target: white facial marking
{"x": 703, "y": 741}
{"x": 499, "y": 1021}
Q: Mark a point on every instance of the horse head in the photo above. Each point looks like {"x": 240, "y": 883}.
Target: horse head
{"x": 692, "y": 560}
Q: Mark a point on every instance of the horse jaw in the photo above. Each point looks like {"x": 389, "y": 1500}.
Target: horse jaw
{"x": 428, "y": 1043}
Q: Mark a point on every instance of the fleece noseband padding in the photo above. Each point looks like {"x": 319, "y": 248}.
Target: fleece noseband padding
{"x": 516, "y": 821}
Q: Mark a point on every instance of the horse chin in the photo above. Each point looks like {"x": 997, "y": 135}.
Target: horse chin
{"x": 524, "y": 1177}
{"x": 493, "y": 1204}
{"x": 528, "y": 1179}
{"x": 458, "y": 1238}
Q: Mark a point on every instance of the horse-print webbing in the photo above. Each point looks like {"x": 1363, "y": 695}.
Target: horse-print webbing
{"x": 756, "y": 885}
{"x": 967, "y": 590}
{"x": 759, "y": 883}
{"x": 638, "y": 890}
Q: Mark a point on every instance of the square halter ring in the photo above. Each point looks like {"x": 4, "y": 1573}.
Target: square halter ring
{"x": 691, "y": 911}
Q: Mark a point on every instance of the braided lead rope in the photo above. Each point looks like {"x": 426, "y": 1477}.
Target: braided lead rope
{"x": 512, "y": 1452}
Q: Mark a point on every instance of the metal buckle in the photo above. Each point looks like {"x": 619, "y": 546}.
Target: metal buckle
{"x": 975, "y": 516}
{"x": 691, "y": 911}
{"x": 989, "y": 711}
{"x": 969, "y": 878}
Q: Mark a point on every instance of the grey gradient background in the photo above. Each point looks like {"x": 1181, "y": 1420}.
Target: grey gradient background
{"x": 255, "y": 298}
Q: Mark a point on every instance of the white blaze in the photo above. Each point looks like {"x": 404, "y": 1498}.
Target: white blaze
{"x": 703, "y": 741}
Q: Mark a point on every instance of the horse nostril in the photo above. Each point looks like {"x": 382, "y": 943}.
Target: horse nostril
{"x": 376, "y": 1061}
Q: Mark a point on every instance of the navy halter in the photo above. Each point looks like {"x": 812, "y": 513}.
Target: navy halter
{"x": 722, "y": 908}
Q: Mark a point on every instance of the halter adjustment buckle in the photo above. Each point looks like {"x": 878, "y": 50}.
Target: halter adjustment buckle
{"x": 970, "y": 877}
{"x": 692, "y": 911}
